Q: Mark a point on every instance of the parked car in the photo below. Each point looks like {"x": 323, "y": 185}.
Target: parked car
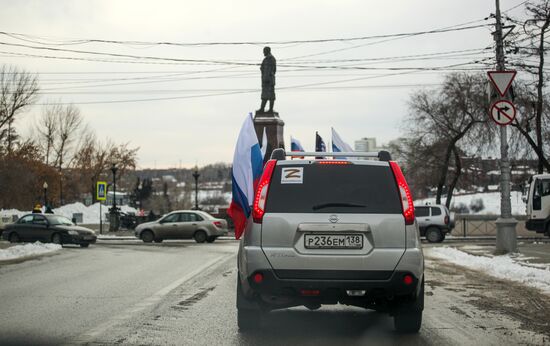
{"x": 183, "y": 224}
{"x": 331, "y": 231}
{"x": 434, "y": 221}
{"x": 48, "y": 228}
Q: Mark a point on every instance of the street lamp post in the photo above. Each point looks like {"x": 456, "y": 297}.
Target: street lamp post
{"x": 114, "y": 221}
{"x": 45, "y": 186}
{"x": 196, "y": 175}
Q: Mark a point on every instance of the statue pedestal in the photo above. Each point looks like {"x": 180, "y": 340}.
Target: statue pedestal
{"x": 274, "y": 130}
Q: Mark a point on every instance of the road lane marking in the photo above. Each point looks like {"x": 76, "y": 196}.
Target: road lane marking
{"x": 154, "y": 299}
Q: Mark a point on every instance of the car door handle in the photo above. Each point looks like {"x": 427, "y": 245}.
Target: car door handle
{"x": 174, "y": 225}
{"x": 194, "y": 224}
{"x": 427, "y": 219}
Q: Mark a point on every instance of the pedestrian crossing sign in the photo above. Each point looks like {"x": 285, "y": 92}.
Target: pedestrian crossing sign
{"x": 101, "y": 194}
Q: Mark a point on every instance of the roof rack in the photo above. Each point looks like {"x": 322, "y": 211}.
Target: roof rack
{"x": 280, "y": 154}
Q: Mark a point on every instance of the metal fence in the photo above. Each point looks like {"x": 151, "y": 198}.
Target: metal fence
{"x": 467, "y": 225}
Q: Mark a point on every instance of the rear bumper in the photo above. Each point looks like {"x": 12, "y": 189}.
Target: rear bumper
{"x": 299, "y": 284}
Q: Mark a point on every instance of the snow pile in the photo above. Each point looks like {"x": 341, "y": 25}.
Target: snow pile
{"x": 504, "y": 267}
{"x": 491, "y": 202}
{"x": 90, "y": 215}
{"x": 27, "y": 250}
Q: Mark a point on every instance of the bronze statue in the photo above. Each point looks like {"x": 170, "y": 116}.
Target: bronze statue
{"x": 268, "y": 68}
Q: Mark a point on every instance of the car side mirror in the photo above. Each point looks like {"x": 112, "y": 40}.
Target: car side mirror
{"x": 74, "y": 220}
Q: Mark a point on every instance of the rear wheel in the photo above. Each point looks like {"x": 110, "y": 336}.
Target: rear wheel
{"x": 56, "y": 238}
{"x": 211, "y": 239}
{"x": 147, "y": 236}
{"x": 200, "y": 236}
{"x": 247, "y": 318}
{"x": 14, "y": 238}
{"x": 434, "y": 235}
{"x": 409, "y": 318}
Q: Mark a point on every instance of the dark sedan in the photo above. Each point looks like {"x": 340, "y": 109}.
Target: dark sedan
{"x": 48, "y": 228}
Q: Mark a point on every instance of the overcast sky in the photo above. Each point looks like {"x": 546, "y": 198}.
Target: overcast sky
{"x": 197, "y": 124}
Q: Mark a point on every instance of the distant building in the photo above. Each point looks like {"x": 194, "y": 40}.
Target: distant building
{"x": 368, "y": 144}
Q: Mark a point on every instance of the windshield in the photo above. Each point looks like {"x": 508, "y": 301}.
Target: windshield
{"x": 59, "y": 220}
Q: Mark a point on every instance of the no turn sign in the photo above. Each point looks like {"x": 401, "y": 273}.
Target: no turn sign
{"x": 503, "y": 112}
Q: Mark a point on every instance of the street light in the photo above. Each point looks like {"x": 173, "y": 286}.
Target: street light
{"x": 45, "y": 186}
{"x": 196, "y": 175}
{"x": 114, "y": 169}
{"x": 114, "y": 221}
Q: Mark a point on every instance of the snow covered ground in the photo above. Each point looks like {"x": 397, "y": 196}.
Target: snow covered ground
{"x": 504, "y": 267}
{"x": 90, "y": 214}
{"x": 27, "y": 250}
{"x": 491, "y": 202}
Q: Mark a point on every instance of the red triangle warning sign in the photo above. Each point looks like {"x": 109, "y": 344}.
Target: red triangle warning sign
{"x": 502, "y": 80}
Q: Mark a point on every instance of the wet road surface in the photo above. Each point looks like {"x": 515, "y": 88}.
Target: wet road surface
{"x": 182, "y": 293}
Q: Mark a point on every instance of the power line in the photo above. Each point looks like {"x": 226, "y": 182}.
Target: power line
{"x": 36, "y": 39}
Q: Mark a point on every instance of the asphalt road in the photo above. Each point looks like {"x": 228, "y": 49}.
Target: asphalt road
{"x": 181, "y": 293}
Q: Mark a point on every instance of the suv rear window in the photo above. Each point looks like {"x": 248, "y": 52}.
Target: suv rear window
{"x": 347, "y": 188}
{"x": 436, "y": 211}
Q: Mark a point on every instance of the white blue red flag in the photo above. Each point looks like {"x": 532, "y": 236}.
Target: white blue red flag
{"x": 295, "y": 145}
{"x": 338, "y": 145}
{"x": 246, "y": 171}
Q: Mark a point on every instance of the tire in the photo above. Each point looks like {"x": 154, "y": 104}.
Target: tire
{"x": 248, "y": 319}
{"x": 84, "y": 245}
{"x": 434, "y": 235}
{"x": 200, "y": 236}
{"x": 147, "y": 236}
{"x": 409, "y": 322}
{"x": 211, "y": 239}
{"x": 409, "y": 318}
{"x": 56, "y": 238}
{"x": 14, "y": 238}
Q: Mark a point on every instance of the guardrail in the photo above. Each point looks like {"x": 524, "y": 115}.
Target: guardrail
{"x": 467, "y": 225}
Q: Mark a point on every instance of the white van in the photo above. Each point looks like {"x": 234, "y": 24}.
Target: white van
{"x": 538, "y": 204}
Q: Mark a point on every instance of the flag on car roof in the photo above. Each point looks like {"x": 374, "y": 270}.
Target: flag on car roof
{"x": 338, "y": 145}
{"x": 245, "y": 173}
{"x": 295, "y": 145}
{"x": 319, "y": 145}
{"x": 264, "y": 144}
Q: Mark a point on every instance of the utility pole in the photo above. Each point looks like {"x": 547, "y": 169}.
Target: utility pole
{"x": 506, "y": 224}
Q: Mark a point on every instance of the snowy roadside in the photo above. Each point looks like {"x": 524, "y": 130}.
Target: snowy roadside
{"x": 27, "y": 250}
{"x": 504, "y": 267}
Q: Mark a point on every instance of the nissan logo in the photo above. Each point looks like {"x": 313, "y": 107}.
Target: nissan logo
{"x": 333, "y": 218}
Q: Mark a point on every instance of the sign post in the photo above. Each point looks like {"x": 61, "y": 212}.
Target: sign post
{"x": 101, "y": 195}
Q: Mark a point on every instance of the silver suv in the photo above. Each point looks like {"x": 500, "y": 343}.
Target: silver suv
{"x": 331, "y": 231}
{"x": 434, "y": 221}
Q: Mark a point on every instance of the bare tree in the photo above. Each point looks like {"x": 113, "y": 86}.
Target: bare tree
{"x": 18, "y": 90}
{"x": 46, "y": 129}
{"x": 530, "y": 49}
{"x": 444, "y": 117}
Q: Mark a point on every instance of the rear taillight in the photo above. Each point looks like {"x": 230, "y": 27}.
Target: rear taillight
{"x": 404, "y": 192}
{"x": 260, "y": 198}
{"x": 446, "y": 219}
{"x": 218, "y": 224}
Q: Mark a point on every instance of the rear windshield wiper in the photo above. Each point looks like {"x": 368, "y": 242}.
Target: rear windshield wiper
{"x": 328, "y": 205}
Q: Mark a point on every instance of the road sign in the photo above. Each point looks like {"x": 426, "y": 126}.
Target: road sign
{"x": 502, "y": 80}
{"x": 503, "y": 112}
{"x": 101, "y": 194}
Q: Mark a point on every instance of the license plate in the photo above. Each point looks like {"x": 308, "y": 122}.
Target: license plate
{"x": 333, "y": 241}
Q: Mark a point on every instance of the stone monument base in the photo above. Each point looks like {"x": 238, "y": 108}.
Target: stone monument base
{"x": 274, "y": 130}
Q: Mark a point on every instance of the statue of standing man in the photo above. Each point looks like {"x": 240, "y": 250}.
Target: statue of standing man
{"x": 268, "y": 68}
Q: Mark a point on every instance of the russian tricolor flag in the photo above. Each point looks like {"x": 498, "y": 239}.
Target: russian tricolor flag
{"x": 245, "y": 174}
